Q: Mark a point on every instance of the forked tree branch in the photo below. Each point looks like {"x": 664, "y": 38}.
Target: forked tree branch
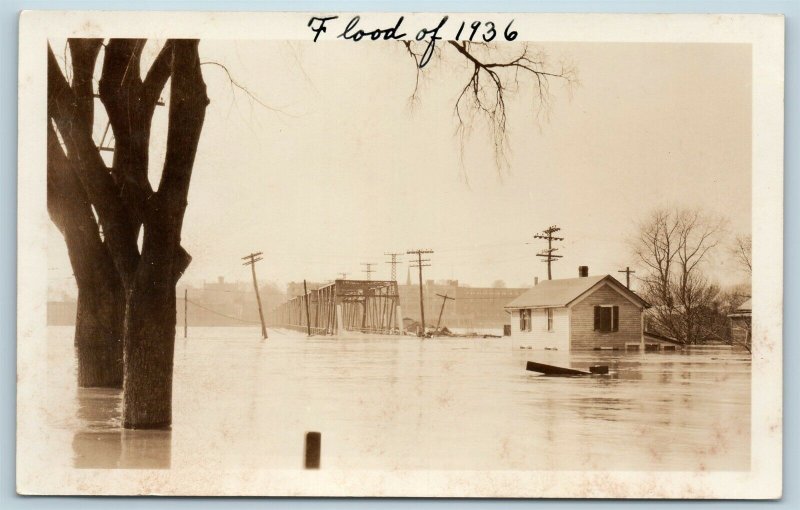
{"x": 489, "y": 85}
{"x": 90, "y": 168}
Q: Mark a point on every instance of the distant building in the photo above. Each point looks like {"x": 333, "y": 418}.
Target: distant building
{"x": 216, "y": 303}
{"x": 584, "y": 313}
{"x": 223, "y": 303}
{"x": 295, "y": 289}
{"x": 472, "y": 307}
{"x": 741, "y": 324}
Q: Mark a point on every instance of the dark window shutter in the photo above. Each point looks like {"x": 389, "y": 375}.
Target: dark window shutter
{"x": 615, "y": 319}
{"x": 597, "y": 317}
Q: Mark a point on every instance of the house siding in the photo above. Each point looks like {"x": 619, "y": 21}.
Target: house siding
{"x": 584, "y": 337}
{"x": 539, "y": 338}
{"x": 741, "y": 330}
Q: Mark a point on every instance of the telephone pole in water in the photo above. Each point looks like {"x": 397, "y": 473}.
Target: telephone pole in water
{"x": 444, "y": 297}
{"x": 420, "y": 264}
{"x": 547, "y": 254}
{"x": 250, "y": 260}
{"x": 628, "y": 272}
{"x": 393, "y": 263}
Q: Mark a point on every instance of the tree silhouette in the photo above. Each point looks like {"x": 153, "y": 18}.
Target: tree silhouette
{"x": 85, "y": 196}
{"x": 673, "y": 247}
{"x": 125, "y": 325}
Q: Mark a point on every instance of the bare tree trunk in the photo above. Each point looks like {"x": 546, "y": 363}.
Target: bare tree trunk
{"x": 149, "y": 353}
{"x": 101, "y": 302}
{"x": 98, "y": 337}
{"x": 151, "y": 315}
{"x": 124, "y": 203}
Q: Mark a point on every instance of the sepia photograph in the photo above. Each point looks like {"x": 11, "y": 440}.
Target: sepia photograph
{"x": 374, "y": 254}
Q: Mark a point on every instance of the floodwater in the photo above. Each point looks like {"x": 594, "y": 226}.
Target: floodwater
{"x": 406, "y": 403}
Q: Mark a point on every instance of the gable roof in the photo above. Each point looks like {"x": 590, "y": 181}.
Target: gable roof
{"x": 560, "y": 293}
{"x": 747, "y": 306}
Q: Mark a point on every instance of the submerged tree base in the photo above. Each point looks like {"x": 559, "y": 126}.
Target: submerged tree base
{"x": 98, "y": 335}
{"x": 99, "y": 365}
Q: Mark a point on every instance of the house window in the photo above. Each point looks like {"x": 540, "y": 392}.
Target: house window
{"x": 606, "y": 318}
{"x": 549, "y": 313}
{"x": 524, "y": 320}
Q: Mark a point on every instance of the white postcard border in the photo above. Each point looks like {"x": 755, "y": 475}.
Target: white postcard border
{"x": 35, "y": 475}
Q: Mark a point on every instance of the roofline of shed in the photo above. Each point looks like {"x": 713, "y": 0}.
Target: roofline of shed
{"x": 533, "y": 307}
{"x": 624, "y": 290}
{"x": 607, "y": 277}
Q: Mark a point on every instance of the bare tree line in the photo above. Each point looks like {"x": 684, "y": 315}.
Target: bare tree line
{"x": 675, "y": 246}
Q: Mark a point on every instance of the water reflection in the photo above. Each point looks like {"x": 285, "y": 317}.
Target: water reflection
{"x": 405, "y": 403}
{"x": 99, "y": 442}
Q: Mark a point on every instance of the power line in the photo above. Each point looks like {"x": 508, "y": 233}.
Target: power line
{"x": 548, "y": 253}
{"x": 198, "y": 305}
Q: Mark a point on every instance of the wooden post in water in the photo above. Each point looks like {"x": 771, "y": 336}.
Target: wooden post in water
{"x": 420, "y": 265}
{"x": 251, "y": 261}
{"x": 441, "y": 311}
{"x": 185, "y": 311}
{"x": 312, "y": 450}
{"x": 308, "y": 314}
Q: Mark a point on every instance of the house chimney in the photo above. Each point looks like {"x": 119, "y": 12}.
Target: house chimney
{"x": 535, "y": 281}
{"x": 583, "y": 271}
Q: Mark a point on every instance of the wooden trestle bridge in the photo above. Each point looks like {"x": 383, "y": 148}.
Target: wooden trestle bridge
{"x": 345, "y": 305}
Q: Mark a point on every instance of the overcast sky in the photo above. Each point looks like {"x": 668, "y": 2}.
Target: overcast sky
{"x": 339, "y": 168}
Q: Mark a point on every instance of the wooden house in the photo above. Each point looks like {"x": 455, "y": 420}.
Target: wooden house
{"x": 584, "y": 313}
{"x": 741, "y": 324}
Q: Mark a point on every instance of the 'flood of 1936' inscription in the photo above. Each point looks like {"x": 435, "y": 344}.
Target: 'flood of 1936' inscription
{"x": 480, "y": 31}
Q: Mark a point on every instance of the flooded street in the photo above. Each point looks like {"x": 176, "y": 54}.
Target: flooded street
{"x": 406, "y": 403}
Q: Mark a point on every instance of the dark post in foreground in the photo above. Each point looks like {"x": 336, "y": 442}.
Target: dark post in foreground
{"x": 312, "y": 450}
{"x": 250, "y": 260}
{"x": 420, "y": 265}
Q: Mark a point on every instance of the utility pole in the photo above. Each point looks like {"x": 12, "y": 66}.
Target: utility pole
{"x": 628, "y": 272}
{"x": 368, "y": 269}
{"x": 393, "y": 262}
{"x": 441, "y": 311}
{"x": 185, "y": 311}
{"x": 420, "y": 264}
{"x": 548, "y": 254}
{"x": 308, "y": 314}
{"x": 250, "y": 260}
